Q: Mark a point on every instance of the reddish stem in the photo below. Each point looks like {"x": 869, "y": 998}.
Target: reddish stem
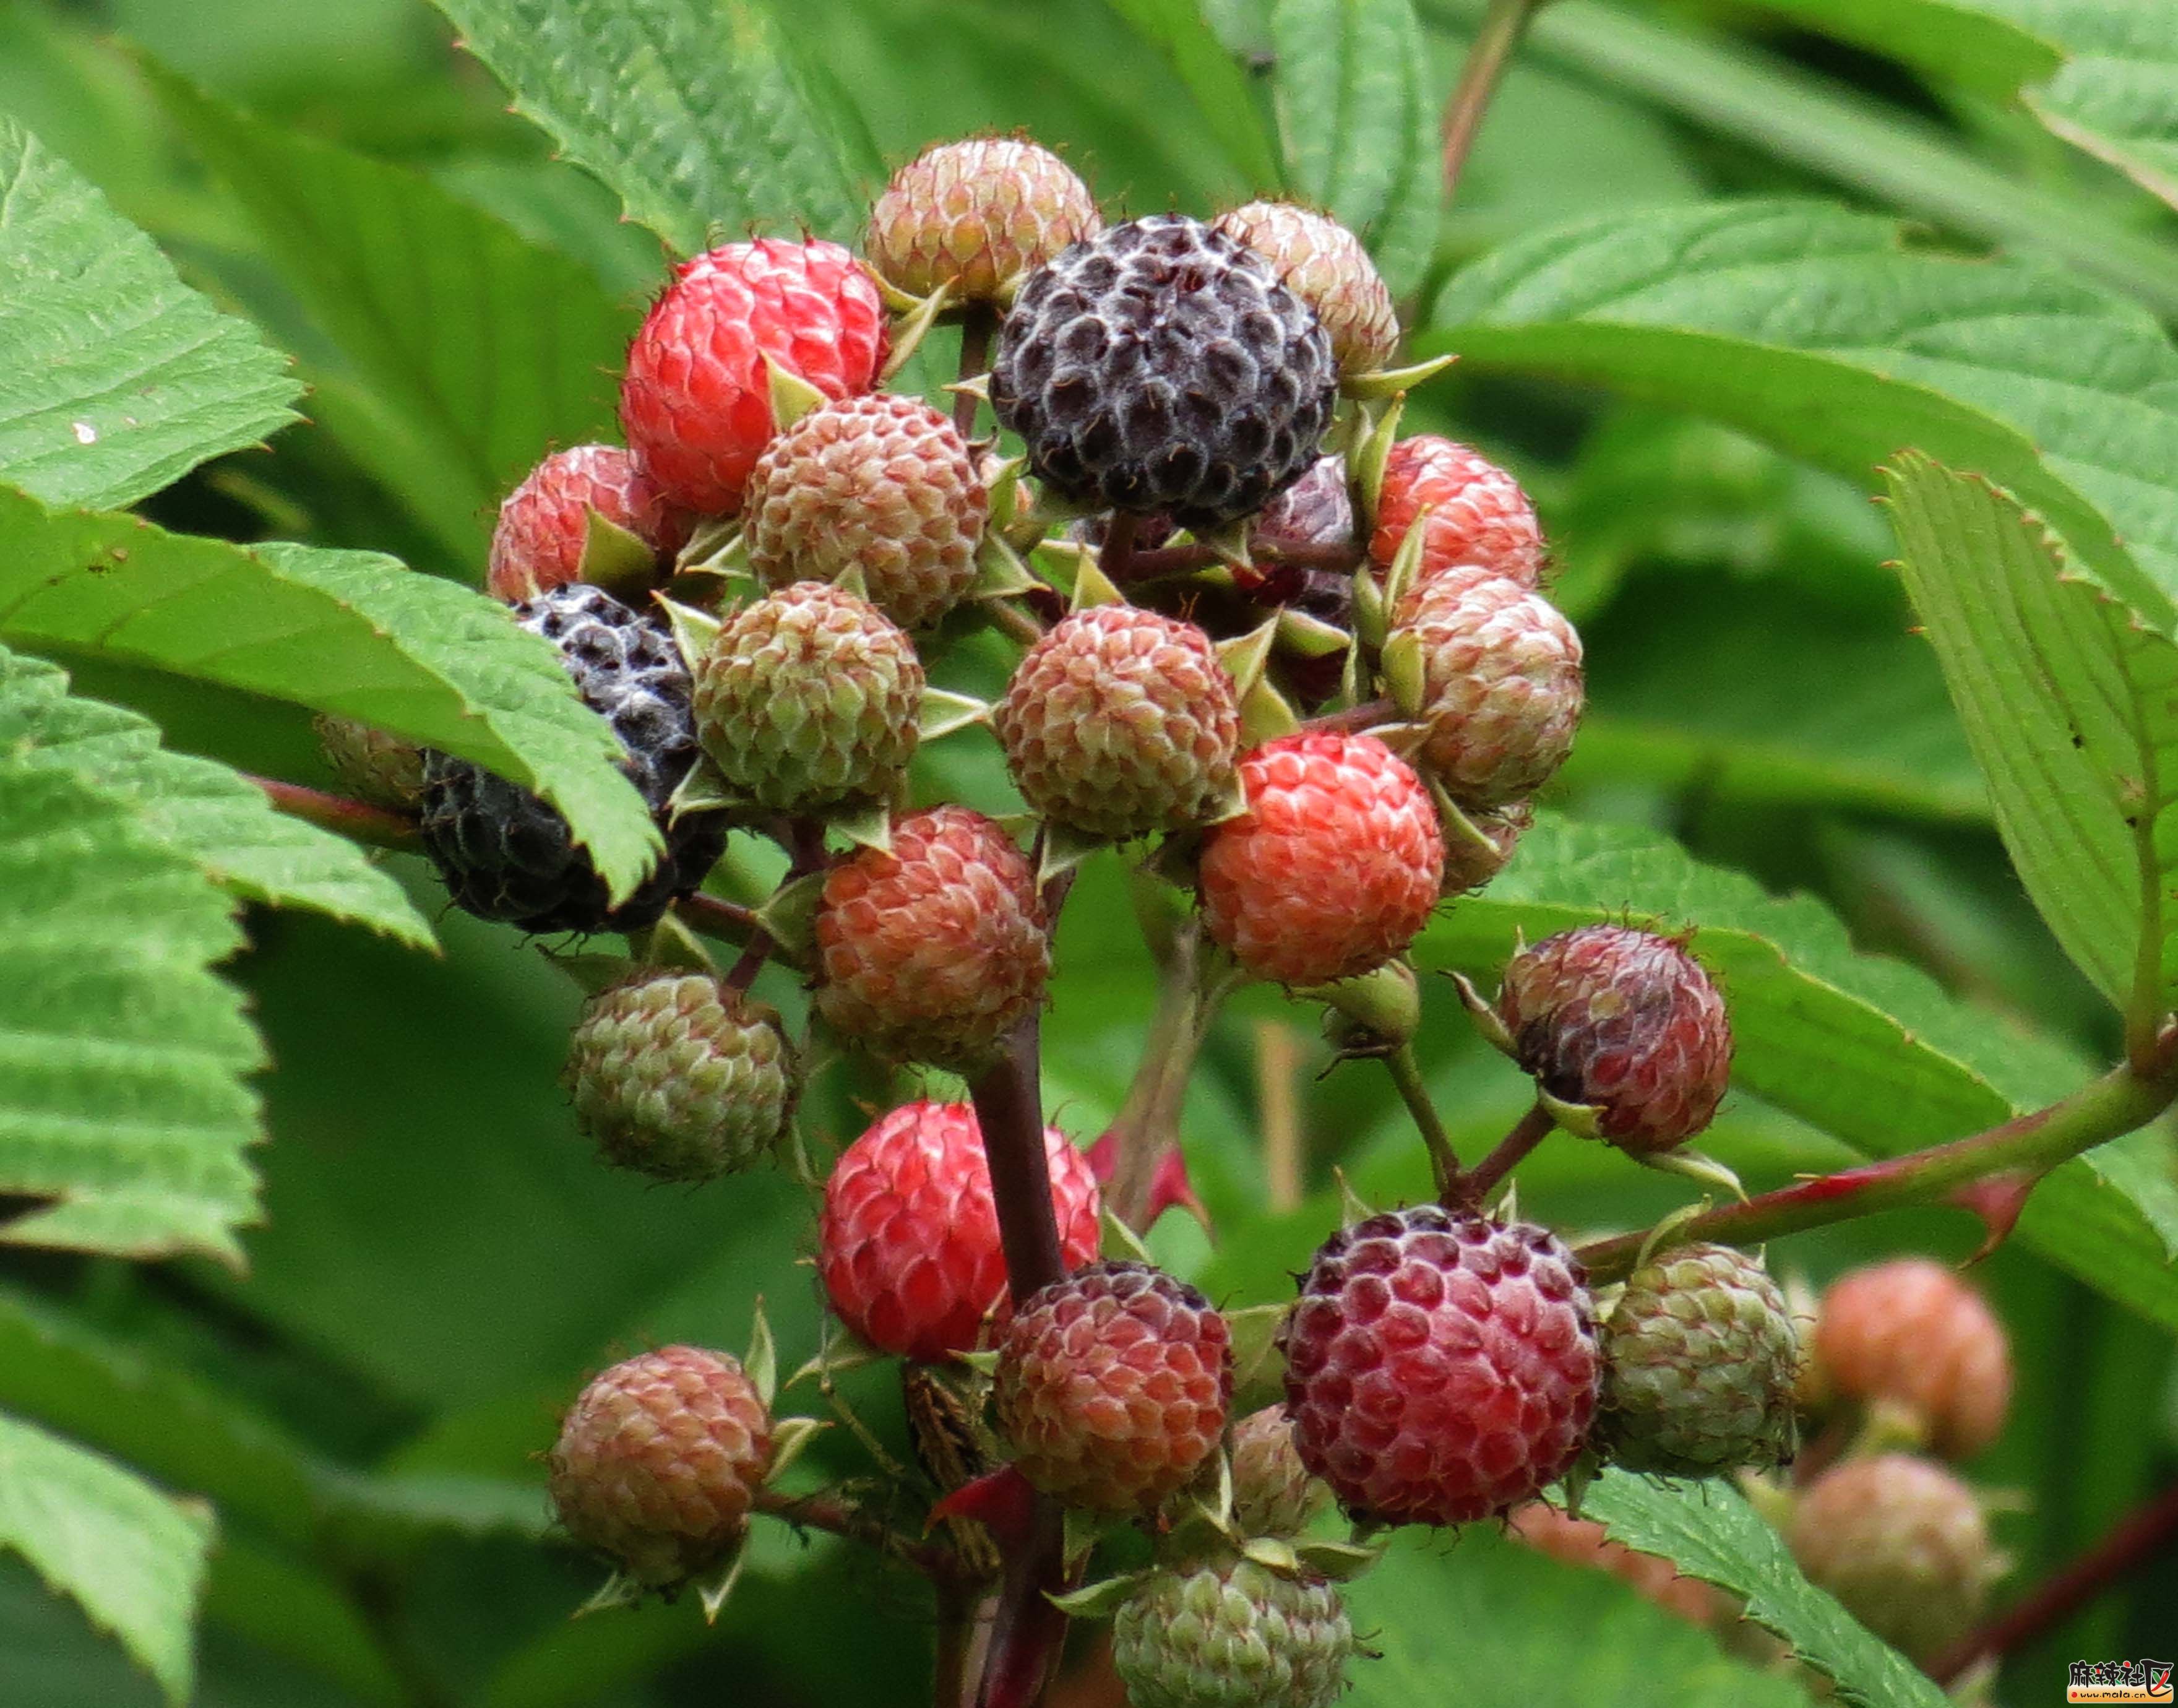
{"x": 1471, "y": 1188}
{"x": 714, "y": 916}
{"x": 353, "y": 819}
{"x": 2135, "y": 1540}
{"x": 823, "y": 1512}
{"x": 1355, "y": 719}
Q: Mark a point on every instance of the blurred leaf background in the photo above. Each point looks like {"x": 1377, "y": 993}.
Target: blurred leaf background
{"x": 441, "y": 1261}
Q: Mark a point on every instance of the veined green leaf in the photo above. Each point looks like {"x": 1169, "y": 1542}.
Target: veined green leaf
{"x": 2071, "y": 706}
{"x": 119, "y": 378}
{"x": 1213, "y": 77}
{"x": 1820, "y": 330}
{"x": 693, "y": 111}
{"x": 134, "y": 1558}
{"x": 492, "y": 350}
{"x": 1710, "y": 1532}
{"x": 348, "y": 631}
{"x": 1868, "y": 1049}
{"x": 1358, "y": 119}
{"x": 198, "y": 807}
{"x": 1988, "y": 45}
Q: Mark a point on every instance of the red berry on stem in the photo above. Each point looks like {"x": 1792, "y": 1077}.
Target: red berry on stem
{"x": 1911, "y": 1332}
{"x": 544, "y": 523}
{"x": 1477, "y": 512}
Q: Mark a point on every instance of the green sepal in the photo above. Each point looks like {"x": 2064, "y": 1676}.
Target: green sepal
{"x": 1266, "y": 714}
{"x": 1098, "y": 1601}
{"x": 911, "y": 328}
{"x": 1405, "y": 668}
{"x": 717, "y": 547}
{"x": 1406, "y": 563}
{"x": 1486, "y": 1021}
{"x": 1002, "y": 494}
{"x": 1233, "y": 805}
{"x": 1394, "y": 382}
{"x": 1372, "y": 619}
{"x": 979, "y": 388}
{"x": 1577, "y": 1118}
{"x": 1351, "y": 1208}
{"x": 1364, "y": 466}
{"x": 943, "y": 712}
{"x": 1335, "y": 1560}
{"x": 1246, "y": 656}
{"x": 1461, "y": 834}
{"x": 866, "y": 824}
{"x": 592, "y": 974}
{"x": 693, "y": 631}
{"x": 621, "y": 563}
{"x": 897, "y": 302}
{"x": 703, "y": 790}
{"x": 788, "y": 914}
{"x": 1693, "y": 1165}
{"x": 1665, "y": 1233}
{"x": 851, "y": 580}
{"x": 1273, "y": 1553}
{"x": 1257, "y": 1364}
{"x": 1093, "y": 587}
{"x": 985, "y": 1364}
{"x": 618, "y": 1590}
{"x": 712, "y": 1594}
{"x": 669, "y": 946}
{"x": 840, "y": 1356}
{"x": 1386, "y": 1003}
{"x": 1000, "y": 572}
{"x": 1310, "y": 637}
{"x": 792, "y": 396}
{"x": 790, "y": 1439}
{"x": 1064, "y": 848}
{"x": 1585, "y": 1470}
{"x": 1229, "y": 542}
{"x": 761, "y": 1364}
{"x": 1084, "y": 1531}
{"x": 1120, "y": 1243}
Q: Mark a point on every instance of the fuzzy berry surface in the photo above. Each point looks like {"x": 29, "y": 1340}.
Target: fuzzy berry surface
{"x": 1119, "y": 722}
{"x": 1228, "y": 1633}
{"x": 1160, "y": 366}
{"x": 1441, "y": 1368}
{"x": 1902, "y": 1544}
{"x": 377, "y": 768}
{"x": 971, "y": 215}
{"x": 695, "y": 402}
{"x": 934, "y": 951}
{"x": 504, "y": 854}
{"x": 1274, "y": 1494}
{"x": 881, "y": 484}
{"x": 1627, "y": 1022}
{"x": 809, "y": 698}
{"x": 660, "y": 1460}
{"x": 678, "y": 1077}
{"x": 1700, "y": 1356}
{"x": 1112, "y": 1387}
{"x": 1325, "y": 265}
{"x": 908, "y": 1244}
{"x": 1501, "y": 689}
{"x": 1478, "y": 513}
{"x": 1334, "y": 867}
{"x": 544, "y": 523}
{"x": 1913, "y": 1331}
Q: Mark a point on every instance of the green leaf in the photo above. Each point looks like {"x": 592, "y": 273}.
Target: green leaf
{"x": 119, "y": 379}
{"x": 120, "y": 1056}
{"x": 134, "y": 1558}
{"x": 2071, "y": 706}
{"x": 1991, "y": 47}
{"x": 348, "y": 631}
{"x": 1710, "y": 1532}
{"x": 693, "y": 111}
{"x": 1867, "y": 1049}
{"x": 1822, "y": 332}
{"x": 199, "y": 808}
{"x": 1213, "y": 77}
{"x": 492, "y": 350}
{"x": 1358, "y": 119}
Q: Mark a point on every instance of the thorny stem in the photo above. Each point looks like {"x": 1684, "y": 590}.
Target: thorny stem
{"x": 2134, "y": 1541}
{"x": 2020, "y": 1151}
{"x": 1529, "y": 1131}
{"x": 977, "y": 325}
{"x": 1495, "y": 39}
{"x": 839, "y": 1518}
{"x": 1406, "y": 1076}
{"x": 353, "y": 819}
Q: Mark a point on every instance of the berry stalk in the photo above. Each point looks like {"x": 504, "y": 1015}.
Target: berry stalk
{"x": 2014, "y": 1156}
{"x": 1444, "y": 1161}
{"x": 1146, "y": 1127}
{"x": 1499, "y": 34}
{"x": 1530, "y": 1130}
{"x": 376, "y": 826}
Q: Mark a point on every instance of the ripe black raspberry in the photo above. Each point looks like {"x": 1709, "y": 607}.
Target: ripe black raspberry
{"x": 505, "y": 854}
{"x": 1160, "y": 366}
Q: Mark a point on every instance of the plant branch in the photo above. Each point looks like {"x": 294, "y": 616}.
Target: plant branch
{"x": 2020, "y": 1151}
{"x": 1406, "y": 1076}
{"x": 1146, "y": 1126}
{"x": 713, "y": 916}
{"x": 1529, "y": 1131}
{"x": 359, "y": 822}
{"x": 977, "y": 325}
{"x": 1495, "y": 39}
{"x": 2135, "y": 1540}
{"x": 1354, "y": 719}
{"x": 841, "y": 1518}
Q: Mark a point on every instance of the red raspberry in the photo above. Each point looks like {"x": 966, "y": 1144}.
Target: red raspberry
{"x": 1911, "y": 1331}
{"x": 1477, "y": 512}
{"x": 1440, "y": 1367}
{"x": 1335, "y": 866}
{"x": 974, "y": 215}
{"x": 545, "y": 523}
{"x": 935, "y": 951}
{"x": 696, "y": 401}
{"x": 1325, "y": 265}
{"x": 1902, "y": 1544}
{"x": 658, "y": 1462}
{"x": 1113, "y": 1386}
{"x": 1584, "y": 1542}
{"x": 908, "y": 1244}
{"x": 1627, "y": 1022}
{"x": 1501, "y": 684}
{"x": 882, "y": 485}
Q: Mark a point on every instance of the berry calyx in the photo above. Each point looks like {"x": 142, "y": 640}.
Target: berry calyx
{"x": 1477, "y": 513}
{"x": 809, "y": 698}
{"x": 679, "y": 1077}
{"x": 1501, "y": 688}
{"x": 1160, "y": 366}
{"x": 1274, "y": 1494}
{"x": 1913, "y": 1333}
{"x": 1112, "y": 1387}
{"x": 1228, "y": 1633}
{"x": 1441, "y": 1367}
{"x": 1325, "y": 265}
{"x": 1119, "y": 722}
{"x": 544, "y": 523}
{"x": 660, "y": 1460}
{"x": 934, "y": 951}
{"x": 1334, "y": 867}
{"x": 881, "y": 484}
{"x": 695, "y": 402}
{"x": 1698, "y": 1359}
{"x": 908, "y": 1242}
{"x": 973, "y": 216}
{"x": 1625, "y": 1021}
